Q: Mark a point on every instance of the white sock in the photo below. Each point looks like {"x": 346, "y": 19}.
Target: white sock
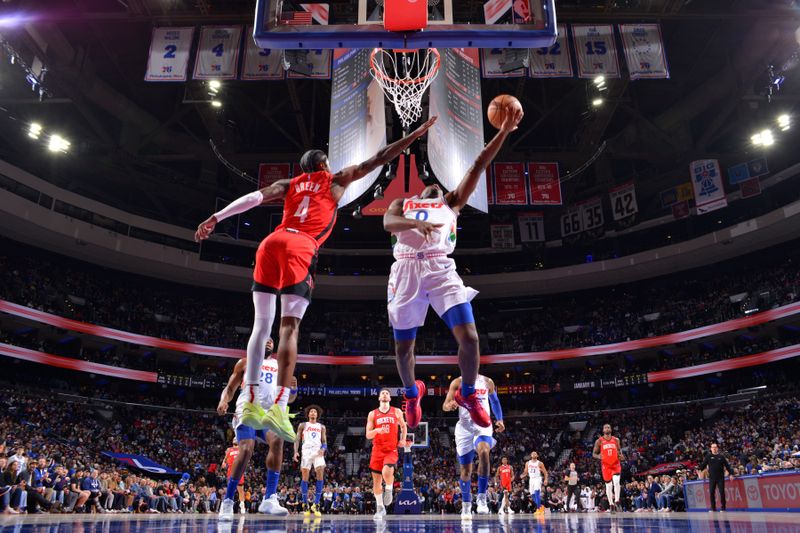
{"x": 283, "y": 397}
{"x": 388, "y": 490}
{"x": 379, "y": 501}
{"x": 264, "y": 304}
{"x": 615, "y": 478}
{"x": 610, "y": 493}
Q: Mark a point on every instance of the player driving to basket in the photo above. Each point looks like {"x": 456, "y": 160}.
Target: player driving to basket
{"x": 285, "y": 265}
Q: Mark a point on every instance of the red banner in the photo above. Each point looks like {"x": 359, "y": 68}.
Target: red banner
{"x": 769, "y": 492}
{"x": 509, "y": 181}
{"x": 750, "y": 188}
{"x": 680, "y": 210}
{"x": 269, "y": 173}
{"x": 398, "y": 187}
{"x": 545, "y": 183}
{"x": 489, "y": 191}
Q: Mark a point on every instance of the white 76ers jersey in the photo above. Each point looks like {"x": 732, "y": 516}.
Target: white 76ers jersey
{"x": 534, "y": 472}
{"x": 435, "y": 211}
{"x": 482, "y": 393}
{"x": 312, "y": 438}
{"x": 267, "y": 387}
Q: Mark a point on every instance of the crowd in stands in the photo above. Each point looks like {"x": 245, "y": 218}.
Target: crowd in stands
{"x": 52, "y": 460}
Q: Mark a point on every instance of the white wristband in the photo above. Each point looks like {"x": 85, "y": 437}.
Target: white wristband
{"x": 240, "y": 205}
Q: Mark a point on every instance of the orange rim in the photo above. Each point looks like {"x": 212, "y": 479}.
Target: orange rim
{"x": 415, "y": 81}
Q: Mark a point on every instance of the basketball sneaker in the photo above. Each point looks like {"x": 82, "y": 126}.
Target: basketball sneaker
{"x": 388, "y": 496}
{"x": 466, "y": 510}
{"x": 483, "y": 508}
{"x": 226, "y": 510}
{"x": 253, "y": 415}
{"x": 306, "y": 510}
{"x": 272, "y": 507}
{"x": 476, "y": 411}
{"x": 279, "y": 421}
{"x": 510, "y": 511}
{"x": 380, "y": 514}
{"x": 315, "y": 510}
{"x": 414, "y": 405}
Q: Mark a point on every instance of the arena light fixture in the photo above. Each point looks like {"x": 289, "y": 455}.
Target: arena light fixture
{"x": 35, "y": 130}
{"x": 784, "y": 122}
{"x": 58, "y": 144}
{"x": 216, "y": 103}
{"x": 763, "y": 138}
{"x": 597, "y": 102}
{"x": 214, "y": 86}
{"x": 600, "y": 81}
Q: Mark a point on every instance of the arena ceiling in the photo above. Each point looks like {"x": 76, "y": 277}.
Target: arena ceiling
{"x": 144, "y": 146}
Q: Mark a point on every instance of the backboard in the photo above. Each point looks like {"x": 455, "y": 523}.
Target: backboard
{"x": 280, "y": 24}
{"x": 419, "y": 436}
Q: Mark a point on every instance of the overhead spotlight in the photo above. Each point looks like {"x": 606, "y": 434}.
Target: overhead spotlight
{"x": 597, "y": 102}
{"x": 763, "y": 138}
{"x": 216, "y": 103}
{"x": 378, "y": 193}
{"x": 357, "y": 213}
{"x": 58, "y": 144}
{"x": 784, "y": 122}
{"x": 600, "y": 83}
{"x": 214, "y": 86}
{"x": 35, "y": 130}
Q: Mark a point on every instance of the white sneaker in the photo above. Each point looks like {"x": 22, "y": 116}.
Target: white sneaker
{"x": 242, "y": 508}
{"x": 271, "y": 506}
{"x": 388, "y": 497}
{"x": 466, "y": 511}
{"x": 483, "y": 508}
{"x": 226, "y": 510}
{"x": 380, "y": 514}
{"x": 501, "y": 511}
{"x": 510, "y": 511}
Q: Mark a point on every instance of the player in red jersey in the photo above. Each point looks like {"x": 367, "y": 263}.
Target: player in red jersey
{"x": 230, "y": 457}
{"x": 608, "y": 449}
{"x": 503, "y": 477}
{"x": 285, "y": 264}
{"x": 383, "y": 426}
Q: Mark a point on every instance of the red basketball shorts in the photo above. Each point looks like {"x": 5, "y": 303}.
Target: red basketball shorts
{"x": 285, "y": 264}
{"x": 611, "y": 470}
{"x": 381, "y": 458}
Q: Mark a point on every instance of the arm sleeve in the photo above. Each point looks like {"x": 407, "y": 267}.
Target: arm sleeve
{"x": 240, "y": 205}
{"x": 494, "y": 403}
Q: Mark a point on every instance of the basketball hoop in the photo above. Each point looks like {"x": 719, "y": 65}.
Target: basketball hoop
{"x": 404, "y": 76}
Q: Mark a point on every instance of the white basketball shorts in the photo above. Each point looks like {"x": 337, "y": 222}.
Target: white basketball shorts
{"x": 312, "y": 460}
{"x": 534, "y": 484}
{"x": 466, "y": 437}
{"x": 416, "y": 283}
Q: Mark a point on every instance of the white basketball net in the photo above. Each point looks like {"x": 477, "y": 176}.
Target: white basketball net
{"x": 404, "y": 76}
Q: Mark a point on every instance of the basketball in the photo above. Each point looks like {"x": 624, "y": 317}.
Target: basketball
{"x": 498, "y": 108}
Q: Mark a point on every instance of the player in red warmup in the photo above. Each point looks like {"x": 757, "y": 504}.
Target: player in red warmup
{"x": 383, "y": 426}
{"x": 285, "y": 265}
{"x": 505, "y": 473}
{"x": 608, "y": 449}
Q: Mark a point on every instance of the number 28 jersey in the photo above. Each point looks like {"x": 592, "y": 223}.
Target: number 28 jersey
{"x": 309, "y": 206}
{"x": 435, "y": 211}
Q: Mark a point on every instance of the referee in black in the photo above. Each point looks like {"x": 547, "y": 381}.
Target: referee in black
{"x": 717, "y": 466}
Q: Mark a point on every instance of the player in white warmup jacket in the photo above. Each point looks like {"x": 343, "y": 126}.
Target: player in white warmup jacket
{"x": 472, "y": 439}
{"x": 424, "y": 228}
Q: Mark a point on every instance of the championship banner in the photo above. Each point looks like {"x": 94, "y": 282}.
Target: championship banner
{"x": 674, "y": 195}
{"x": 358, "y": 119}
{"x": 503, "y": 62}
{"x": 531, "y": 227}
{"x": 456, "y": 140}
{"x": 644, "y": 51}
{"x": 509, "y": 182}
{"x": 502, "y": 235}
{"x": 261, "y": 63}
{"x": 218, "y": 53}
{"x": 623, "y": 201}
{"x": 269, "y": 173}
{"x": 545, "y": 183}
{"x": 317, "y": 65}
{"x": 141, "y": 462}
{"x": 596, "y": 50}
{"x": 555, "y": 61}
{"x": 169, "y": 54}
{"x": 778, "y": 491}
{"x": 709, "y": 195}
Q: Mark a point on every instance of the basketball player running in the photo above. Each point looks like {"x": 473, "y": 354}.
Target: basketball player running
{"x": 237, "y": 483}
{"x": 472, "y": 438}
{"x": 247, "y": 437}
{"x": 608, "y": 449}
{"x": 422, "y": 275}
{"x": 503, "y": 478}
{"x": 383, "y": 426}
{"x": 537, "y": 478}
{"x": 314, "y": 438}
{"x": 285, "y": 264}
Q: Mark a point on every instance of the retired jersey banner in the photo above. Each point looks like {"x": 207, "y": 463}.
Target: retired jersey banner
{"x": 545, "y": 183}
{"x": 531, "y": 227}
{"x": 504, "y": 62}
{"x": 502, "y": 235}
{"x": 644, "y": 51}
{"x": 571, "y": 222}
{"x": 623, "y": 201}
{"x": 317, "y": 65}
{"x": 269, "y": 173}
{"x": 553, "y": 61}
{"x": 218, "y": 53}
{"x": 709, "y": 195}
{"x": 261, "y": 63}
{"x": 169, "y": 54}
{"x": 509, "y": 182}
{"x": 596, "y": 50}
{"x": 592, "y": 214}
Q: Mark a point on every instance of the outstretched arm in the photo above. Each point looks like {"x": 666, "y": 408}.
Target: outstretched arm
{"x": 457, "y": 198}
{"x": 348, "y": 175}
{"x": 241, "y": 205}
